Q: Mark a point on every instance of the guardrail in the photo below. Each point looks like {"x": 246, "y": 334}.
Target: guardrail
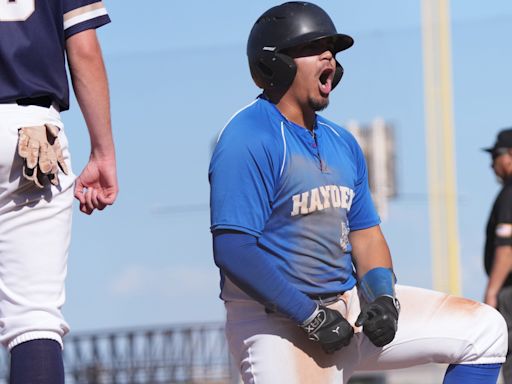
{"x": 157, "y": 355}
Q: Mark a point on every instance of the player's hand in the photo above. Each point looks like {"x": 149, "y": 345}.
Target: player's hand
{"x": 330, "y": 329}
{"x": 379, "y": 320}
{"x": 40, "y": 149}
{"x": 97, "y": 187}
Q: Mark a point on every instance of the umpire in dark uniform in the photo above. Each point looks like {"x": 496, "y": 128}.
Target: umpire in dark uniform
{"x": 498, "y": 244}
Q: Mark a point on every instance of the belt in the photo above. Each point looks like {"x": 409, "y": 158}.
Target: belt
{"x": 41, "y": 101}
{"x": 324, "y": 299}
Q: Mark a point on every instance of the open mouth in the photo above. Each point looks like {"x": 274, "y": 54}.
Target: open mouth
{"x": 325, "y": 81}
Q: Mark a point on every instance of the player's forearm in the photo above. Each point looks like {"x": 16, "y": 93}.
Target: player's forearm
{"x": 90, "y": 84}
{"x": 369, "y": 250}
{"x": 501, "y": 268}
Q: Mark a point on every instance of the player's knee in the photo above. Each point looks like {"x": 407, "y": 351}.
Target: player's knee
{"x": 494, "y": 336}
{"x": 485, "y": 336}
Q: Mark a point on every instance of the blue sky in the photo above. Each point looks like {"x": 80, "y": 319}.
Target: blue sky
{"x": 178, "y": 71}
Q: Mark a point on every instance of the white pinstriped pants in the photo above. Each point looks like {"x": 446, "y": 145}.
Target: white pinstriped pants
{"x": 35, "y": 229}
{"x": 433, "y": 328}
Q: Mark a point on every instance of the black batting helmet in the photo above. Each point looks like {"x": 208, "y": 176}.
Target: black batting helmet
{"x": 286, "y": 26}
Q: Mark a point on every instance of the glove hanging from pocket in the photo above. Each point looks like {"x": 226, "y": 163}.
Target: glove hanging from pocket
{"x": 40, "y": 149}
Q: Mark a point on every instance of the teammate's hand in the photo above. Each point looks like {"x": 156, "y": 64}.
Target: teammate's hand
{"x": 40, "y": 149}
{"x": 96, "y": 187}
{"x": 330, "y": 329}
{"x": 379, "y": 320}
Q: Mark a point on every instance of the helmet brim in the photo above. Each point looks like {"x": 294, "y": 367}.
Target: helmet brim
{"x": 339, "y": 40}
{"x": 342, "y": 42}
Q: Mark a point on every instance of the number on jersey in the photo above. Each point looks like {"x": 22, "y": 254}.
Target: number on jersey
{"x": 16, "y": 10}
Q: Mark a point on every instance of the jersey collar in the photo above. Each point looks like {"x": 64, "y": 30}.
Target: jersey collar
{"x": 303, "y": 130}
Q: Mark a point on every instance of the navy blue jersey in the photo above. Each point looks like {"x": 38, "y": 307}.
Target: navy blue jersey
{"x": 32, "y": 45}
{"x": 300, "y": 195}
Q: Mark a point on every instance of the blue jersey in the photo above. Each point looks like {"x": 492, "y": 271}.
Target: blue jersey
{"x": 32, "y": 45}
{"x": 299, "y": 193}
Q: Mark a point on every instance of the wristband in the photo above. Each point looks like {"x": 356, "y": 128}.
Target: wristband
{"x": 377, "y": 282}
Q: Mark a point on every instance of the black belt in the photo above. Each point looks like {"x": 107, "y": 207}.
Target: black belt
{"x": 41, "y": 101}
{"x": 326, "y": 298}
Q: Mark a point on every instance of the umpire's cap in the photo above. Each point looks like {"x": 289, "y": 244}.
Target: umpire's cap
{"x": 503, "y": 141}
{"x": 286, "y": 26}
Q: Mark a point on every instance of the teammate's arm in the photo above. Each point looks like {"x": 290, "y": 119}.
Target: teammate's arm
{"x": 96, "y": 187}
{"x": 501, "y": 268}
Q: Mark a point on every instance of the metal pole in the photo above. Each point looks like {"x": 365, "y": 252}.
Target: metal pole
{"x": 440, "y": 146}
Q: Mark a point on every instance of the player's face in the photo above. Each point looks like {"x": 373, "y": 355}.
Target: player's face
{"x": 315, "y": 72}
{"x": 502, "y": 163}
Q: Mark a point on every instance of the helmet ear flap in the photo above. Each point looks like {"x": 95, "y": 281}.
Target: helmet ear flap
{"x": 338, "y": 74}
{"x": 273, "y": 70}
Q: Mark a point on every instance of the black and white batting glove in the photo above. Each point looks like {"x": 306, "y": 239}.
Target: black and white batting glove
{"x": 379, "y": 320}
{"x": 329, "y": 328}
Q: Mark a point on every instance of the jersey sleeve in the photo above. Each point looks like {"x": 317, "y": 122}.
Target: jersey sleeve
{"x": 362, "y": 214}
{"x": 242, "y": 179}
{"x": 80, "y": 15}
{"x": 503, "y": 209}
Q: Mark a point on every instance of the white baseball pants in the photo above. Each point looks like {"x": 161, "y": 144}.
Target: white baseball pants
{"x": 432, "y": 328}
{"x": 35, "y": 228}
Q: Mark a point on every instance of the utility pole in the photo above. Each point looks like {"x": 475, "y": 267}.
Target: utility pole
{"x": 439, "y": 127}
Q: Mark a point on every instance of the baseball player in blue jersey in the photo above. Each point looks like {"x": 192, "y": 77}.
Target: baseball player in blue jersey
{"x": 306, "y": 274}
{"x": 36, "y": 181}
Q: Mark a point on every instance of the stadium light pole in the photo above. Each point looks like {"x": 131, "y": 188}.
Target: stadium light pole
{"x": 439, "y": 128}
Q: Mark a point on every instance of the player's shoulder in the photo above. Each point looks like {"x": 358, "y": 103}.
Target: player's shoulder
{"x": 505, "y": 195}
{"x": 502, "y": 207}
{"x": 255, "y": 121}
{"x": 249, "y": 135}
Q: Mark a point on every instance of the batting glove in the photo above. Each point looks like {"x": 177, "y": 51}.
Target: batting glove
{"x": 379, "y": 320}
{"x": 329, "y": 328}
{"x": 40, "y": 149}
